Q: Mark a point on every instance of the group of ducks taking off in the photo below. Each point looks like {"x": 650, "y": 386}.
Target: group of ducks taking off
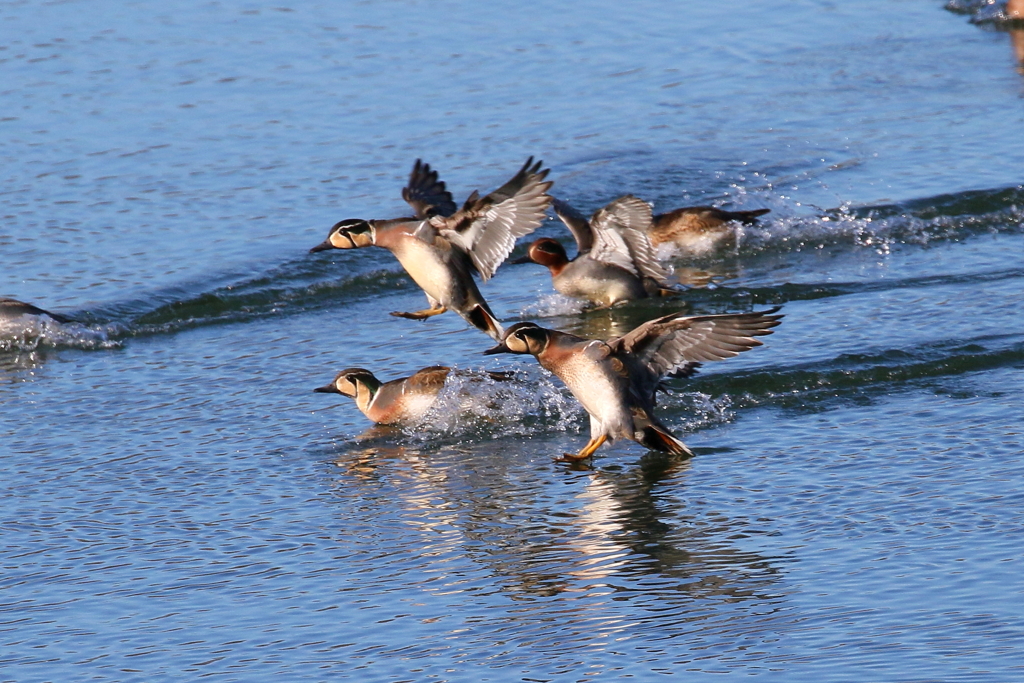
{"x": 441, "y": 247}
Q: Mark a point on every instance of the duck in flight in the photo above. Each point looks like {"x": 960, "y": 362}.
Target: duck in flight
{"x": 441, "y": 247}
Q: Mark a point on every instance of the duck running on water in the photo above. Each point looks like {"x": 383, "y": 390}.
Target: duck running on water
{"x": 615, "y": 261}
{"x": 616, "y": 380}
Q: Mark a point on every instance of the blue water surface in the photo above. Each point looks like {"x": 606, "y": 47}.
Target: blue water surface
{"x": 177, "y": 503}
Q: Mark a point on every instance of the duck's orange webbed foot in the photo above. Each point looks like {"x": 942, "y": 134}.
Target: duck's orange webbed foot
{"x": 420, "y": 315}
{"x": 586, "y": 452}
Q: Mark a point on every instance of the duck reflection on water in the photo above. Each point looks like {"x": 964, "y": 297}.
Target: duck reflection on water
{"x": 1008, "y": 17}
{"x": 1015, "y": 13}
{"x": 621, "y": 526}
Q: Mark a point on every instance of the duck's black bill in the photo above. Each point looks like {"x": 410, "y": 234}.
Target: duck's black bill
{"x": 329, "y": 389}
{"x": 500, "y": 348}
{"x": 521, "y": 259}
{"x": 323, "y": 246}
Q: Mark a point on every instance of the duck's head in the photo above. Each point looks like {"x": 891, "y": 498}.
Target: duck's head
{"x": 522, "y": 338}
{"x": 350, "y": 233}
{"x": 545, "y": 251}
{"x": 348, "y": 382}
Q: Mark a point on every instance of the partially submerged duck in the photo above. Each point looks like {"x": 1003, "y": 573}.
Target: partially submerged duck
{"x": 700, "y": 230}
{"x": 10, "y": 309}
{"x": 441, "y": 247}
{"x": 616, "y": 380}
{"x": 400, "y": 401}
{"x": 615, "y": 260}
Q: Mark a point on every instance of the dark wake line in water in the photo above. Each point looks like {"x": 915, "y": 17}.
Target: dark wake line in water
{"x": 263, "y": 298}
{"x": 307, "y": 283}
{"x": 856, "y": 377}
{"x": 292, "y": 288}
{"x": 780, "y": 294}
{"x": 300, "y": 284}
{"x": 974, "y": 204}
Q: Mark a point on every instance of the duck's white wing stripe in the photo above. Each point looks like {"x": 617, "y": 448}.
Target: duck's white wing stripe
{"x": 610, "y": 247}
{"x": 630, "y": 218}
{"x": 491, "y": 236}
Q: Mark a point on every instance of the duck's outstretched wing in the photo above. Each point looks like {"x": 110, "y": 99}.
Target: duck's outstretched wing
{"x": 620, "y": 237}
{"x": 487, "y": 227}
{"x": 610, "y": 244}
{"x": 634, "y": 216}
{"x": 577, "y": 223}
{"x": 427, "y": 195}
{"x": 667, "y": 346}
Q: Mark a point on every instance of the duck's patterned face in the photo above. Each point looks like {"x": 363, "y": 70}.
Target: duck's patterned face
{"x": 522, "y": 338}
{"x": 347, "y": 382}
{"x": 345, "y": 386}
{"x": 351, "y": 233}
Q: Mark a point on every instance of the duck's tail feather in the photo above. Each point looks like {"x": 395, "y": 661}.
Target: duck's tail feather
{"x": 747, "y": 217}
{"x": 659, "y": 439}
{"x": 482, "y": 319}
{"x": 655, "y": 288}
{"x": 503, "y": 376}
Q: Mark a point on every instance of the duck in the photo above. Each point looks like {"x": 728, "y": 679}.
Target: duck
{"x": 401, "y": 401}
{"x": 699, "y": 230}
{"x": 441, "y": 247}
{"x": 615, "y": 261}
{"x": 616, "y": 380}
{"x": 1015, "y": 15}
{"x": 11, "y": 309}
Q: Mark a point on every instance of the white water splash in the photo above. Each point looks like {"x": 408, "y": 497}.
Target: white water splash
{"x": 784, "y": 231}
{"x": 553, "y": 305}
{"x": 472, "y": 401}
{"x": 32, "y": 332}
{"x": 699, "y": 410}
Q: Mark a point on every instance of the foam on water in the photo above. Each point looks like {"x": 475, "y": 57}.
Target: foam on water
{"x": 692, "y": 411}
{"x": 878, "y": 228}
{"x": 473, "y": 403}
{"x": 29, "y": 333}
{"x": 553, "y": 305}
